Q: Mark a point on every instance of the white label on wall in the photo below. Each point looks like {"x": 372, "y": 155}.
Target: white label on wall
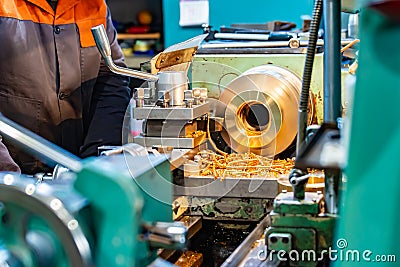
{"x": 193, "y": 12}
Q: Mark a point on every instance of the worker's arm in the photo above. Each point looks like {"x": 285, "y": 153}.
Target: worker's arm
{"x": 6, "y": 162}
{"x": 110, "y": 99}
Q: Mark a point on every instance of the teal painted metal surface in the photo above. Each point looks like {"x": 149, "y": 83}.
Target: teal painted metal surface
{"x": 310, "y": 229}
{"x": 370, "y": 213}
{"x": 92, "y": 218}
{"x": 323, "y": 224}
{"x": 14, "y": 226}
{"x": 286, "y": 203}
{"x": 234, "y": 11}
{"x": 120, "y": 205}
{"x": 42, "y": 225}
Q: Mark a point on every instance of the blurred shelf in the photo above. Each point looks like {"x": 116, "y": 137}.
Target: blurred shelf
{"x": 125, "y": 36}
{"x": 133, "y": 61}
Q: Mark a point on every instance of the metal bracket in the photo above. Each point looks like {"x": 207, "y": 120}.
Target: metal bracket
{"x": 165, "y": 60}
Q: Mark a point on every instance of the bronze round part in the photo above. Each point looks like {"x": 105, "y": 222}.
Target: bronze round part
{"x": 254, "y": 117}
{"x": 260, "y": 110}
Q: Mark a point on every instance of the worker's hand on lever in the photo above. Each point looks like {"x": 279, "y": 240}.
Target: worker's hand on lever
{"x": 6, "y": 162}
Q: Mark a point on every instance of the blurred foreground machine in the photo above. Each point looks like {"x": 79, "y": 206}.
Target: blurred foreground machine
{"x": 111, "y": 211}
{"x": 375, "y": 173}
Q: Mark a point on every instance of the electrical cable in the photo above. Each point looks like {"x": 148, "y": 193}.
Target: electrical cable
{"x": 210, "y": 139}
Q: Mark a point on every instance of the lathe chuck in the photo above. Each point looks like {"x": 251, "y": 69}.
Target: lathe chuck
{"x": 260, "y": 110}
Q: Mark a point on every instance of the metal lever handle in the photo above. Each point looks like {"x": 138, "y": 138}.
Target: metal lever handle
{"x": 45, "y": 150}
{"x": 103, "y": 44}
{"x": 165, "y": 235}
{"x": 298, "y": 178}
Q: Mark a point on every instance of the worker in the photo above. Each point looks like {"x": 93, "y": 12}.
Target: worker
{"x": 6, "y": 162}
{"x": 53, "y": 79}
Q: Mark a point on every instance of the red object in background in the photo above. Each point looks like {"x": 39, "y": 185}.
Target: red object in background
{"x": 389, "y": 8}
{"x": 138, "y": 29}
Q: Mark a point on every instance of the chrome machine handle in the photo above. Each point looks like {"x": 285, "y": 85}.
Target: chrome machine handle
{"x": 103, "y": 44}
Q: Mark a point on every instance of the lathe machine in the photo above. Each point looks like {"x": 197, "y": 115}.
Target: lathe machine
{"x": 217, "y": 146}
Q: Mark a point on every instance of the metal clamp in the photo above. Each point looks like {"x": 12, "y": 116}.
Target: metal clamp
{"x": 165, "y": 235}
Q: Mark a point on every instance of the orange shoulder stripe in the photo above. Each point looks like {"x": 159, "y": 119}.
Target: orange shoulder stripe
{"x": 86, "y": 14}
{"x": 89, "y": 14}
{"x": 23, "y": 10}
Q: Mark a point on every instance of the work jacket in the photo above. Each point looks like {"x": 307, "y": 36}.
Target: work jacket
{"x": 6, "y": 162}
{"x": 53, "y": 80}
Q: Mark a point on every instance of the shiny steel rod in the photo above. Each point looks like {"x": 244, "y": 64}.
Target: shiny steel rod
{"x": 38, "y": 146}
{"x": 332, "y": 90}
{"x": 265, "y": 44}
{"x": 240, "y": 252}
